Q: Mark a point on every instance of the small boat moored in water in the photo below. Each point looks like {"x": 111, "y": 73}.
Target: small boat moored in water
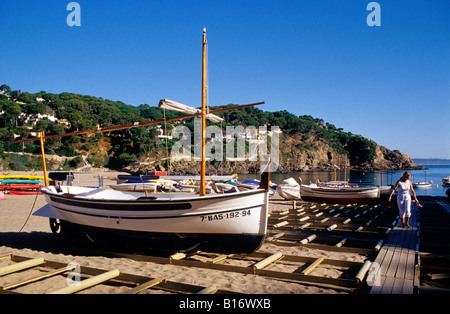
{"x": 446, "y": 181}
{"x": 422, "y": 184}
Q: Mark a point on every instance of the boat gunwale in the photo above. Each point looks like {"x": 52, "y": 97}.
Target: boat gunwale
{"x": 144, "y": 200}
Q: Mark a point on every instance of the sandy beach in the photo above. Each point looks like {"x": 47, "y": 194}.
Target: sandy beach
{"x": 30, "y": 236}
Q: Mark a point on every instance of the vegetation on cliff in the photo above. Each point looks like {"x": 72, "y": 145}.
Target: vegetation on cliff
{"x": 305, "y": 142}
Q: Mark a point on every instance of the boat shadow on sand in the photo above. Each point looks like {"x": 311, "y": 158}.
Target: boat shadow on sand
{"x": 68, "y": 245}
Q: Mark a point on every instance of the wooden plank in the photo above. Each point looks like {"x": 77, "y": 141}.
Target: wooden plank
{"x": 311, "y": 267}
{"x": 208, "y": 290}
{"x": 408, "y": 286}
{"x": 384, "y": 265}
{"x": 146, "y": 286}
{"x": 37, "y": 278}
{"x": 268, "y": 260}
{"x": 397, "y": 287}
{"x": 381, "y": 255}
{"x": 401, "y": 268}
{"x": 6, "y": 256}
{"x": 220, "y": 258}
{"x": 21, "y": 266}
{"x": 376, "y": 289}
{"x": 87, "y": 283}
{"x": 387, "y": 286}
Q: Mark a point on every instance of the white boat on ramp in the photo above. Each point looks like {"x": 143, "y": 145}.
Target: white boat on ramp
{"x": 339, "y": 194}
{"x": 234, "y": 222}
{"x": 289, "y": 189}
{"x": 230, "y": 222}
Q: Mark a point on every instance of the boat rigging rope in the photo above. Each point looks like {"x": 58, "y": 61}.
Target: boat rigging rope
{"x": 29, "y": 214}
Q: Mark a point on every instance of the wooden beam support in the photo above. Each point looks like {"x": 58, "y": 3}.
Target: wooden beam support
{"x": 362, "y": 272}
{"x": 313, "y": 266}
{"x": 267, "y": 261}
{"x": 37, "y": 278}
{"x": 208, "y": 290}
{"x": 146, "y": 286}
{"x": 21, "y": 266}
{"x": 87, "y": 283}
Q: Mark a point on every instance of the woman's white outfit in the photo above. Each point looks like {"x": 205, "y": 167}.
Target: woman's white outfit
{"x": 404, "y": 199}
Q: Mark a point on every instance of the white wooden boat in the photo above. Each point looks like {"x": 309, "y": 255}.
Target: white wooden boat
{"x": 289, "y": 189}
{"x": 339, "y": 194}
{"x": 422, "y": 184}
{"x": 230, "y": 222}
{"x": 385, "y": 190}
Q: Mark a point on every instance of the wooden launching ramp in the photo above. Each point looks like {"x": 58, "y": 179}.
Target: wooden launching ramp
{"x": 416, "y": 260}
{"x": 394, "y": 268}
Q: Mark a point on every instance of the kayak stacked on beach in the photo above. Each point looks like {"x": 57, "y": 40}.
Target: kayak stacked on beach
{"x": 21, "y": 184}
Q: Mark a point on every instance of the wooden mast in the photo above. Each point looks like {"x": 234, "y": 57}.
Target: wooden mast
{"x": 203, "y": 162}
{"x": 44, "y": 166}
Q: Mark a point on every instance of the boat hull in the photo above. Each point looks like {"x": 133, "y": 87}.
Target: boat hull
{"x": 339, "y": 195}
{"x": 182, "y": 217}
{"x": 20, "y": 186}
{"x": 173, "y": 242}
{"x": 289, "y": 192}
{"x": 422, "y": 185}
{"x": 19, "y": 192}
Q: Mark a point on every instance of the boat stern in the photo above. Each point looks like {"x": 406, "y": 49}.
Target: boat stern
{"x": 47, "y": 211}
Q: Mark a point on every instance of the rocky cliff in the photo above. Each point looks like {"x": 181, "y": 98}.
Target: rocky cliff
{"x": 292, "y": 157}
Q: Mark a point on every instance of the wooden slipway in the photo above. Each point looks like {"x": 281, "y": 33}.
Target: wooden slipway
{"x": 90, "y": 277}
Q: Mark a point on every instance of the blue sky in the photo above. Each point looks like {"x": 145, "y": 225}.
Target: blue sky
{"x": 316, "y": 57}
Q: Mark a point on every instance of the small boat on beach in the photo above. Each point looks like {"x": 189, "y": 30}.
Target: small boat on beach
{"x": 338, "y": 194}
{"x": 289, "y": 189}
{"x": 22, "y": 192}
{"x": 20, "y": 186}
{"x": 233, "y": 222}
{"x": 18, "y": 181}
{"x": 21, "y": 177}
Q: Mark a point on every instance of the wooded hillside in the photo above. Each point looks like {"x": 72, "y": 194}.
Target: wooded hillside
{"x": 305, "y": 142}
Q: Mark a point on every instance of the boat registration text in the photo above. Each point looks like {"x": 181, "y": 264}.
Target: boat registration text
{"x": 228, "y": 215}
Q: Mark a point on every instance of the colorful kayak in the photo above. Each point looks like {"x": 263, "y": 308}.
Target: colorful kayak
{"x": 12, "y": 181}
{"x": 20, "y": 186}
{"x": 21, "y": 176}
{"x": 14, "y": 192}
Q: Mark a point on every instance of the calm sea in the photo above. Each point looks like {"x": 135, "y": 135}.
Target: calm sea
{"x": 432, "y": 173}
